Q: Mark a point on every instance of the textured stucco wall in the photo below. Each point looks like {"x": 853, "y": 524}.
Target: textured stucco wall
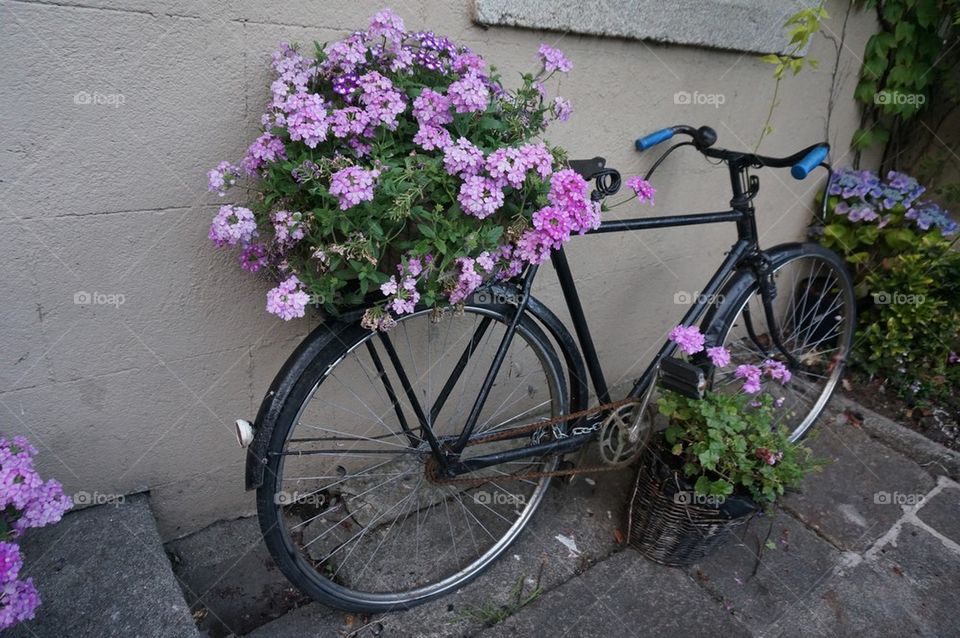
{"x": 110, "y": 114}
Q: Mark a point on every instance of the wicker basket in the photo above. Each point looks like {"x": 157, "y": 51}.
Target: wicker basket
{"x": 666, "y": 527}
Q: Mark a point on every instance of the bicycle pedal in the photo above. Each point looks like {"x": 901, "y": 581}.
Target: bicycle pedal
{"x": 683, "y": 378}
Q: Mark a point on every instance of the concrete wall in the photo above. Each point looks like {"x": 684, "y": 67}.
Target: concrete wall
{"x": 110, "y": 114}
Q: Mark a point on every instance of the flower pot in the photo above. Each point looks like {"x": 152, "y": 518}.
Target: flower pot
{"x": 670, "y": 524}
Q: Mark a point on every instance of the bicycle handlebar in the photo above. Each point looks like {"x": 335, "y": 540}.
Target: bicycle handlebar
{"x": 801, "y": 164}
{"x": 809, "y": 162}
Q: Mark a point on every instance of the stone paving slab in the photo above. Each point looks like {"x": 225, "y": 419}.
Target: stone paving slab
{"x": 857, "y": 495}
{"x": 758, "y": 583}
{"x": 942, "y": 512}
{"x": 907, "y": 589}
{"x": 625, "y": 595}
{"x": 229, "y": 579}
{"x": 102, "y": 573}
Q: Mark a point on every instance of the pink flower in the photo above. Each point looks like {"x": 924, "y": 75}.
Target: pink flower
{"x": 467, "y": 281}
{"x": 554, "y": 59}
{"x": 751, "y": 376}
{"x": 469, "y": 94}
{"x": 432, "y": 137}
{"x": 432, "y": 108}
{"x": 462, "y": 158}
{"x": 562, "y": 109}
{"x": 353, "y": 185}
{"x": 553, "y": 223}
{"x": 777, "y": 370}
{"x": 480, "y": 196}
{"x": 719, "y": 356}
{"x": 288, "y": 300}
{"x": 688, "y": 338}
{"x": 233, "y": 225}
{"x": 768, "y": 456}
{"x": 644, "y": 190}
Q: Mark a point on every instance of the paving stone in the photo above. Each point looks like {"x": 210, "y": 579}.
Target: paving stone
{"x": 101, "y": 572}
{"x": 908, "y": 589}
{"x": 625, "y": 595}
{"x": 758, "y": 591}
{"x": 229, "y": 579}
{"x": 942, "y": 513}
{"x": 589, "y": 512}
{"x": 310, "y": 621}
{"x": 858, "y": 494}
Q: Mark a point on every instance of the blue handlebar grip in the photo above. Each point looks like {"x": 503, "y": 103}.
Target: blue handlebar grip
{"x": 649, "y": 141}
{"x": 802, "y": 168}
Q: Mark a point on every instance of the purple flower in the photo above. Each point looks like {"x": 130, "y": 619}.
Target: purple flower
{"x": 953, "y": 357}
{"x": 554, "y": 60}
{"x": 462, "y": 158}
{"x": 469, "y": 94}
{"x": 222, "y": 177}
{"x": 719, "y": 356}
{"x": 688, "y": 338}
{"x": 349, "y": 121}
{"x": 265, "y": 149}
{"x": 468, "y": 280}
{"x": 346, "y": 54}
{"x": 381, "y": 100}
{"x": 562, "y": 109}
{"x": 388, "y": 25}
{"x": 432, "y": 137}
{"x": 751, "y": 376}
{"x": 308, "y": 122}
{"x": 288, "y": 300}
{"x": 10, "y": 562}
{"x": 777, "y": 371}
{"x": 432, "y": 108}
{"x": 480, "y": 196}
{"x": 644, "y": 190}
{"x": 353, "y": 185}
{"x": 554, "y": 223}
{"x": 534, "y": 246}
{"x": 233, "y": 225}
{"x": 253, "y": 257}
{"x": 287, "y": 227}
{"x": 20, "y": 601}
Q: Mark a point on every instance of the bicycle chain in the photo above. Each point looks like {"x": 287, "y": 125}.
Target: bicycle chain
{"x": 433, "y": 476}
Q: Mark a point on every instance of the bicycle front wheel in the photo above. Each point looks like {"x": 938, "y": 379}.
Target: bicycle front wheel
{"x": 815, "y": 309}
{"x": 349, "y": 507}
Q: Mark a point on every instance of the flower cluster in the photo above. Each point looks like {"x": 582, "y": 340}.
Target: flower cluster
{"x": 691, "y": 341}
{"x": 865, "y": 197}
{"x": 25, "y": 501}
{"x": 393, "y": 143}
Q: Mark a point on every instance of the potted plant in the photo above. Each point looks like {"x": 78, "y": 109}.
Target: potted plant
{"x": 395, "y": 169}
{"x": 719, "y": 461}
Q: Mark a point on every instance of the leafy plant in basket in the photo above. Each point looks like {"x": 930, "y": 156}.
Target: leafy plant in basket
{"x": 727, "y": 442}
{"x": 25, "y": 501}
{"x": 396, "y": 170}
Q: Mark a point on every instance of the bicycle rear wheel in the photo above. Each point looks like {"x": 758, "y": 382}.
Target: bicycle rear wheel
{"x": 815, "y": 309}
{"x": 348, "y": 508}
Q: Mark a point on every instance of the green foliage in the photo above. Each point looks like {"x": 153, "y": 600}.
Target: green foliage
{"x": 906, "y": 64}
{"x": 724, "y": 442}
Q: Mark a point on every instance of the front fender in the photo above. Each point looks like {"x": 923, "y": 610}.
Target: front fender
{"x": 279, "y": 390}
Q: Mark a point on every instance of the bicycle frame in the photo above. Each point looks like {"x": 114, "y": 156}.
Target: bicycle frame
{"x": 744, "y": 251}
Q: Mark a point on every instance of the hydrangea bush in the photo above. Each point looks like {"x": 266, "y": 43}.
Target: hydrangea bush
{"x": 727, "y": 443}
{"x": 25, "y": 501}
{"x": 394, "y": 169}
{"x": 900, "y": 250}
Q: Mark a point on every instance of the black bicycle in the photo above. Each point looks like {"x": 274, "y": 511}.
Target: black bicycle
{"x": 392, "y": 468}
